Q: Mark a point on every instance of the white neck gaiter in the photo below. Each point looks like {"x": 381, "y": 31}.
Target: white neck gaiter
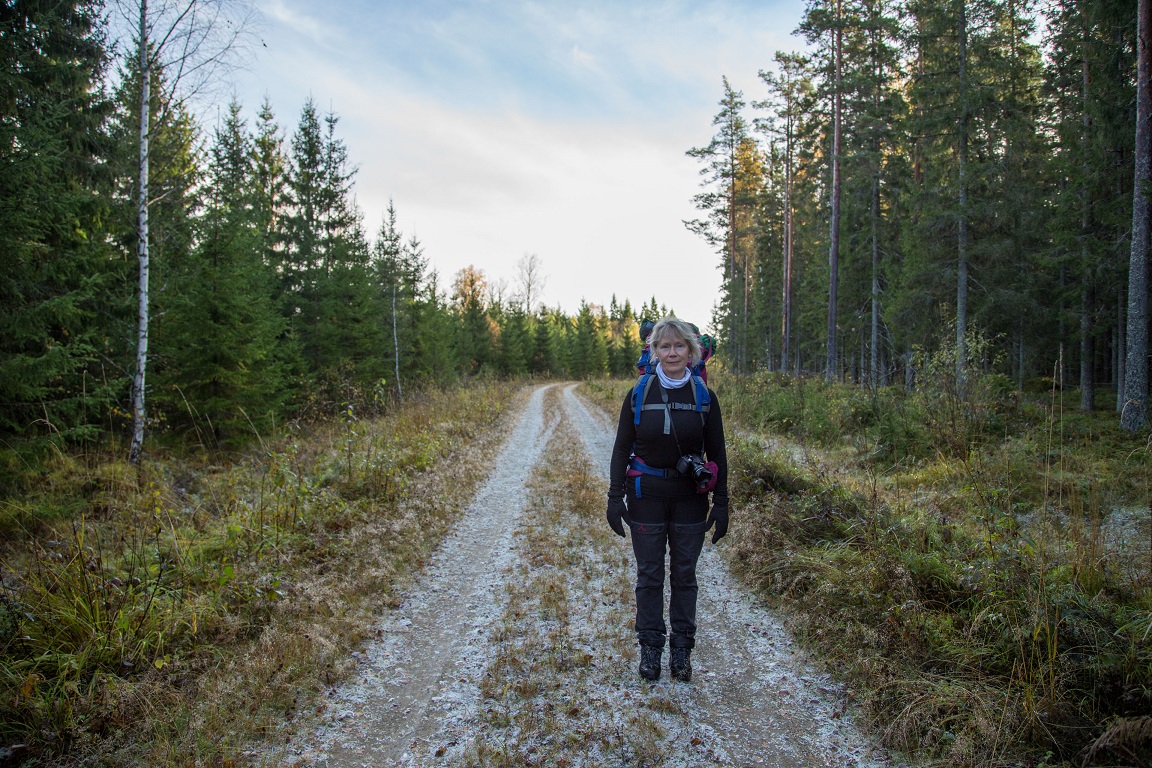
{"x": 672, "y": 383}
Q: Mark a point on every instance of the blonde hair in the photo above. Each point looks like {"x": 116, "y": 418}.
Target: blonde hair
{"x": 674, "y": 326}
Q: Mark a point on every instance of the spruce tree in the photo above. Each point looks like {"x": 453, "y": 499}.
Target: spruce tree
{"x": 56, "y": 270}
{"x": 475, "y": 342}
{"x": 327, "y": 286}
{"x": 219, "y": 334}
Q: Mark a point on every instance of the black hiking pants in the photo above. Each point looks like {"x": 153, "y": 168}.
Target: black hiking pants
{"x": 672, "y": 529}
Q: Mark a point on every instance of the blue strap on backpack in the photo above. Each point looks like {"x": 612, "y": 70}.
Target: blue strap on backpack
{"x": 640, "y": 393}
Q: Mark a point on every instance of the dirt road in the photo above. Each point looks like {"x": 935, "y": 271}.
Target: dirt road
{"x": 515, "y": 648}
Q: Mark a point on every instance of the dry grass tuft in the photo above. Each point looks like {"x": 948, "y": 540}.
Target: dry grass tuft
{"x": 173, "y": 617}
{"x": 1129, "y": 739}
{"x": 987, "y": 602}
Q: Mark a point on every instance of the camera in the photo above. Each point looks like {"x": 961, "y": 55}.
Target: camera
{"x": 692, "y": 465}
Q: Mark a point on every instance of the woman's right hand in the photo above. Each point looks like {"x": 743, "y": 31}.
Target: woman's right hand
{"x": 615, "y": 514}
{"x": 719, "y": 518}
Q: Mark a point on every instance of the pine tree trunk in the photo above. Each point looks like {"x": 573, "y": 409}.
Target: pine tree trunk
{"x": 834, "y": 237}
{"x": 1121, "y": 346}
{"x": 786, "y": 301}
{"x": 733, "y": 267}
{"x": 1135, "y": 413}
{"x": 1087, "y": 346}
{"x": 1087, "y": 294}
{"x": 874, "y": 351}
{"x": 1020, "y": 355}
{"x": 962, "y": 229}
{"x": 138, "y": 413}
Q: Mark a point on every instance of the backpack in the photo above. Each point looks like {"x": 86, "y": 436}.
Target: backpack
{"x": 702, "y": 404}
{"x": 647, "y": 361}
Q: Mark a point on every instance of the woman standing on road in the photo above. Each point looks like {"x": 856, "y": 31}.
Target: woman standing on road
{"x": 668, "y": 425}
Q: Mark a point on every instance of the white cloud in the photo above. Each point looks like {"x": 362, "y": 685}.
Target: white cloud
{"x": 302, "y": 24}
{"x": 584, "y": 59}
{"x": 557, "y": 129}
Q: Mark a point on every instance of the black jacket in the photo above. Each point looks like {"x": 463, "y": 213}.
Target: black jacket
{"x": 648, "y": 441}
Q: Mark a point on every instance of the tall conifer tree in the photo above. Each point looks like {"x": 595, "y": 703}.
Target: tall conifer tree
{"x": 55, "y": 266}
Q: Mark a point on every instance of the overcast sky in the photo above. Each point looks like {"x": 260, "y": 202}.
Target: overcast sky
{"x": 505, "y": 128}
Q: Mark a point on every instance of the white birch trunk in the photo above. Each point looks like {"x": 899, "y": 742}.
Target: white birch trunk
{"x": 396, "y": 343}
{"x": 138, "y": 412}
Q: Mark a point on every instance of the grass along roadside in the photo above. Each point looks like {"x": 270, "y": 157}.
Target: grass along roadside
{"x": 974, "y": 593}
{"x": 562, "y": 689}
{"x": 174, "y": 620}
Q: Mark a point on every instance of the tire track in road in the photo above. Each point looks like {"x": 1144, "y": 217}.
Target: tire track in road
{"x": 418, "y": 682}
{"x": 751, "y": 684}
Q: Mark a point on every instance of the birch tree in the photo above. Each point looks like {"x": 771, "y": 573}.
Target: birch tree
{"x": 531, "y": 278}
{"x": 183, "y": 44}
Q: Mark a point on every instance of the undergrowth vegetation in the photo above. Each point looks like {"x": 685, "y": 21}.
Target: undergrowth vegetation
{"x": 979, "y": 567}
{"x": 171, "y": 616}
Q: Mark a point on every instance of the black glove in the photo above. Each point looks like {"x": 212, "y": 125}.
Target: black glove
{"x": 719, "y": 516}
{"x": 615, "y": 514}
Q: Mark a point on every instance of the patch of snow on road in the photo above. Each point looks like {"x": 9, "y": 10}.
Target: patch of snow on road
{"x": 418, "y": 683}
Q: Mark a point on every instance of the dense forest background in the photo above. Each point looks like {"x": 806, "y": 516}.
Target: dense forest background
{"x": 269, "y": 296}
{"x": 927, "y": 175}
{"x": 955, "y": 174}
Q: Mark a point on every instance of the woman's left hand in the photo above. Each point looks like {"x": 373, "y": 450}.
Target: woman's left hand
{"x": 615, "y": 514}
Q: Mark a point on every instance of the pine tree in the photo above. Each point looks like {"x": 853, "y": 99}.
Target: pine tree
{"x": 790, "y": 89}
{"x": 726, "y": 201}
{"x": 824, "y": 25}
{"x": 1134, "y": 416}
{"x": 974, "y": 121}
{"x": 873, "y": 161}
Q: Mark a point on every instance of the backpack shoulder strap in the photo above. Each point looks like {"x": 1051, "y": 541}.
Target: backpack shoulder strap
{"x": 639, "y": 393}
{"x": 703, "y": 399}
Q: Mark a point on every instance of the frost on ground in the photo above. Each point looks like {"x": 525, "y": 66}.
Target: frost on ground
{"x": 515, "y": 647}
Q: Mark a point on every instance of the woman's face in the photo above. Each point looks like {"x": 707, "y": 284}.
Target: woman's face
{"x": 672, "y": 352}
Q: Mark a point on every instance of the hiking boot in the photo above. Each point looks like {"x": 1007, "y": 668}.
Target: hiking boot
{"x": 680, "y": 664}
{"x": 650, "y": 662}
